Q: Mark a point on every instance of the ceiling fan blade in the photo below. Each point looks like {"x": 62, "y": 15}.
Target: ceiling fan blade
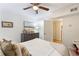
{"x": 36, "y": 11}
{"x": 27, "y": 8}
{"x": 35, "y": 3}
{"x": 44, "y": 8}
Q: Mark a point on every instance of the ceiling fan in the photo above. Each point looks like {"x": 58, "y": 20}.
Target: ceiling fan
{"x": 36, "y": 6}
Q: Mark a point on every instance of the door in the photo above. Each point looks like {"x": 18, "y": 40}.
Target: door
{"x": 48, "y": 30}
{"x": 57, "y": 31}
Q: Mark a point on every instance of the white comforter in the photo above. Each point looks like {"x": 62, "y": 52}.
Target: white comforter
{"x": 39, "y": 47}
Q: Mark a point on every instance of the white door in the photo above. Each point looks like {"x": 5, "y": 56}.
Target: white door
{"x": 48, "y": 30}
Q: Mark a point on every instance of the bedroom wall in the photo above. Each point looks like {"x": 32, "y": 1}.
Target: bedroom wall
{"x": 66, "y": 10}
{"x": 40, "y": 25}
{"x": 14, "y": 33}
{"x": 70, "y": 29}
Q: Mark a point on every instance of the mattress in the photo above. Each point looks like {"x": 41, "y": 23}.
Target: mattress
{"x": 39, "y": 47}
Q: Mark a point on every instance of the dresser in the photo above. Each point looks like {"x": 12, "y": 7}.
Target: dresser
{"x": 28, "y": 36}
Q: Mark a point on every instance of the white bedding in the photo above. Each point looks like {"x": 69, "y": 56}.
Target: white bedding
{"x": 39, "y": 47}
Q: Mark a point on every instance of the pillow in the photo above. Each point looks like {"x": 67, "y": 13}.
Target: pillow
{"x": 21, "y": 50}
{"x": 1, "y": 53}
{"x": 13, "y": 49}
{"x": 24, "y": 51}
{"x": 8, "y": 48}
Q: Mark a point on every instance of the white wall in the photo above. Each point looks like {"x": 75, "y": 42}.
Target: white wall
{"x": 14, "y": 33}
{"x": 40, "y": 25}
{"x": 65, "y": 10}
{"x": 70, "y": 29}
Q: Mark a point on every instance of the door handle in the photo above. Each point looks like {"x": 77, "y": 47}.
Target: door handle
{"x": 44, "y": 33}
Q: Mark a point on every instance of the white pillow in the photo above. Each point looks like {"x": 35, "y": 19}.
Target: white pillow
{"x": 1, "y": 53}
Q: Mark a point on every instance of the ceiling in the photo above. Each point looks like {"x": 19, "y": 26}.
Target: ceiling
{"x": 30, "y": 14}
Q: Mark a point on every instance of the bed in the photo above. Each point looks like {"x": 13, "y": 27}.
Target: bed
{"x": 39, "y": 47}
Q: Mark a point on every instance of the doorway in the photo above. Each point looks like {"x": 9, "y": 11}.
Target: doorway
{"x": 57, "y": 31}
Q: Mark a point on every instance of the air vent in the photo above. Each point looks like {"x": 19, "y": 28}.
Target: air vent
{"x": 73, "y": 9}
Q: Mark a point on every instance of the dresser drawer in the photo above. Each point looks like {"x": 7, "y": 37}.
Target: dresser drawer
{"x": 27, "y": 37}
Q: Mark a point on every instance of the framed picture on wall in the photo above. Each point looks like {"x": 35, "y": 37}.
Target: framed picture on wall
{"x": 7, "y": 24}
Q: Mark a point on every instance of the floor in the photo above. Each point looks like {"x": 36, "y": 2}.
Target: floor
{"x": 57, "y": 41}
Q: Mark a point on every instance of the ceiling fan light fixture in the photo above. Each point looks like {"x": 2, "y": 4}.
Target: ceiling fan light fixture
{"x": 35, "y": 8}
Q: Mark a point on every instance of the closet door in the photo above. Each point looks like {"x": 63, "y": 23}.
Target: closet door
{"x": 48, "y": 30}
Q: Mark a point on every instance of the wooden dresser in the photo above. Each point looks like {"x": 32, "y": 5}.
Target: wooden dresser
{"x": 28, "y": 36}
